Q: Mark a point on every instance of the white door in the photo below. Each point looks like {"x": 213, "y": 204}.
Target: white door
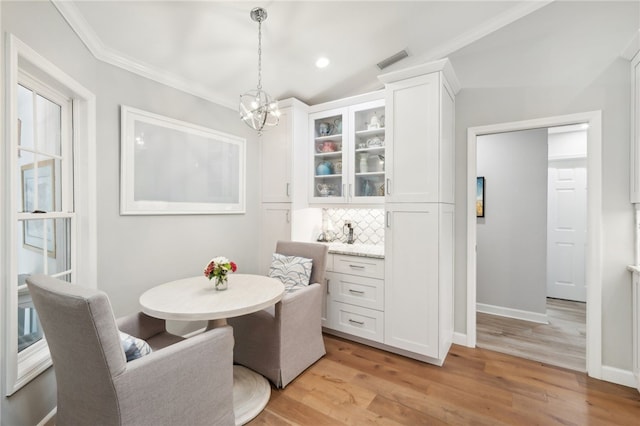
{"x": 567, "y": 230}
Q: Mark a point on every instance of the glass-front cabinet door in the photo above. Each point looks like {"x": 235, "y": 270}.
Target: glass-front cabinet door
{"x": 348, "y": 160}
{"x": 329, "y": 160}
{"x": 368, "y": 159}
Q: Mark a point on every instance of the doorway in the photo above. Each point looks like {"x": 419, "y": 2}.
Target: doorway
{"x": 594, "y": 201}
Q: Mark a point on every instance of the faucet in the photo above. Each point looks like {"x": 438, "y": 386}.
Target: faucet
{"x": 349, "y": 225}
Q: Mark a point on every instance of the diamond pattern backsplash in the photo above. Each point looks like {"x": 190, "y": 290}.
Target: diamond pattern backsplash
{"x": 368, "y": 224}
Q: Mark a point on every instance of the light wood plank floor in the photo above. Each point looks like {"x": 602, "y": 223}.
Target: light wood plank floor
{"x": 562, "y": 342}
{"x": 355, "y": 384}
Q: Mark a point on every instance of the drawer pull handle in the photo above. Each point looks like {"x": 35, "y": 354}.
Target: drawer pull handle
{"x": 352, "y": 321}
{"x": 356, "y": 291}
{"x": 356, "y": 266}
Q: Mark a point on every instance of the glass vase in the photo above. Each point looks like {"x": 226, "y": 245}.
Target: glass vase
{"x": 221, "y": 282}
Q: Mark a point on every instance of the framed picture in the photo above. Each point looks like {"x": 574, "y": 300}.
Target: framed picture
{"x": 480, "y": 196}
{"x": 174, "y": 167}
{"x": 33, "y": 230}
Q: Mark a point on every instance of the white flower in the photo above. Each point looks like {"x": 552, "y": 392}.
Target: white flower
{"x": 220, "y": 260}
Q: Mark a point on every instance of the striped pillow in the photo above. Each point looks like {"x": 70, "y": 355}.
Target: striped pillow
{"x": 133, "y": 347}
{"x": 293, "y": 271}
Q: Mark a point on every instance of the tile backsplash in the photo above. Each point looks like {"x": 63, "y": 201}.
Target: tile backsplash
{"x": 368, "y": 224}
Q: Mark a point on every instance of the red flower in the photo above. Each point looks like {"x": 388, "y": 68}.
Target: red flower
{"x": 234, "y": 267}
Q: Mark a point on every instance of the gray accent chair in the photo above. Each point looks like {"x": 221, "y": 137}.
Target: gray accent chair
{"x": 182, "y": 382}
{"x": 283, "y": 341}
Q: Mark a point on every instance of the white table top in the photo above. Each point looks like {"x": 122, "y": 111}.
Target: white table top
{"x": 196, "y": 298}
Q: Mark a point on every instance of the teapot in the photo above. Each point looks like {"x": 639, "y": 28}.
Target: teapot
{"x": 324, "y": 168}
{"x": 325, "y": 129}
{"x": 328, "y": 146}
{"x": 323, "y": 189}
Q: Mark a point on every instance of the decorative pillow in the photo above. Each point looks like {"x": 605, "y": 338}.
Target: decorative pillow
{"x": 133, "y": 347}
{"x": 293, "y": 271}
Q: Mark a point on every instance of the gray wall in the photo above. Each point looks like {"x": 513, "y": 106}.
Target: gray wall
{"x": 512, "y": 237}
{"x": 134, "y": 252}
{"x": 508, "y": 77}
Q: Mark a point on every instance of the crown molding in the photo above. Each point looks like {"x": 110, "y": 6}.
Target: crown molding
{"x": 87, "y": 35}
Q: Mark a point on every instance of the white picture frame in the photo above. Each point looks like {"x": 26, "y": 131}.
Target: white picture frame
{"x": 170, "y": 167}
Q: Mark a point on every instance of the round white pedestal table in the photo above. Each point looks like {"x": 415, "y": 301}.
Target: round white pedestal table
{"x": 195, "y": 299}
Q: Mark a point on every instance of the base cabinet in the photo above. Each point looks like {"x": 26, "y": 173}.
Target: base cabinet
{"x": 355, "y": 299}
{"x": 419, "y": 263}
{"x": 275, "y": 220}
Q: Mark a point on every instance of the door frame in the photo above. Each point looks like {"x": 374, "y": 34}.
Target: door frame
{"x": 593, "y": 255}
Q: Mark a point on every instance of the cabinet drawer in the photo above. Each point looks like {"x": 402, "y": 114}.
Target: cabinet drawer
{"x": 362, "y": 322}
{"x": 355, "y": 290}
{"x": 363, "y": 266}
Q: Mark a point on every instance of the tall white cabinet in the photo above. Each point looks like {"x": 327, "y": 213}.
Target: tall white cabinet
{"x": 419, "y": 204}
{"x": 283, "y": 175}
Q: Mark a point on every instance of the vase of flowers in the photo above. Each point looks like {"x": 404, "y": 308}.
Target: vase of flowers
{"x": 218, "y": 269}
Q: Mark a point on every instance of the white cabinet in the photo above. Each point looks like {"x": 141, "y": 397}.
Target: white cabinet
{"x": 420, "y": 145}
{"x": 348, "y": 151}
{"x": 283, "y": 172}
{"x": 280, "y": 147}
{"x": 275, "y": 224}
{"x": 419, "y": 277}
{"x": 355, "y": 302}
{"x": 635, "y": 130}
{"x": 419, "y": 204}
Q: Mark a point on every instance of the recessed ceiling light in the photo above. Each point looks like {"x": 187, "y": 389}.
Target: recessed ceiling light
{"x": 322, "y": 62}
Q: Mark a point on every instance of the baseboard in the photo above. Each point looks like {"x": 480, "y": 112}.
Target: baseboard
{"x": 460, "y": 339}
{"x": 48, "y": 417}
{"x": 619, "y": 376}
{"x": 512, "y": 313}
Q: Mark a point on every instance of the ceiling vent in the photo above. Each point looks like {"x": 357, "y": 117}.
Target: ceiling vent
{"x": 392, "y": 59}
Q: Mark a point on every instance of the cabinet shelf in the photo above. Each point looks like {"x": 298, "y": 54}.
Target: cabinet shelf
{"x": 371, "y": 148}
{"x": 333, "y": 175}
{"x": 380, "y": 173}
{"x": 337, "y": 136}
{"x": 370, "y": 132}
{"x": 328, "y": 154}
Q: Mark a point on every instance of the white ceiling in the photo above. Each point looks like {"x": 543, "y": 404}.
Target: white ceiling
{"x": 209, "y": 48}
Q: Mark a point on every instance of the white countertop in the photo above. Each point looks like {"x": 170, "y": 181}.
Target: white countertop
{"x": 363, "y": 250}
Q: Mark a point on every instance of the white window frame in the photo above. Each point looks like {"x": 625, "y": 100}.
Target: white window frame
{"x": 21, "y": 368}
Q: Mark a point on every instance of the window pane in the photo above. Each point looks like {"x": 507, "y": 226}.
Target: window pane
{"x": 44, "y": 196}
{"x": 60, "y": 261}
{"x": 25, "y": 117}
{"x": 25, "y": 161}
{"x": 29, "y": 329}
{"x": 34, "y": 236}
{"x": 49, "y": 126}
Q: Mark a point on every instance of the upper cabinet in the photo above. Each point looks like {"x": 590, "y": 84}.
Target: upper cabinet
{"x": 419, "y": 135}
{"x": 635, "y": 130}
{"x": 348, "y": 151}
{"x": 281, "y": 149}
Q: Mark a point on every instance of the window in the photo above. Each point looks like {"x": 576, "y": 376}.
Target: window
{"x": 50, "y": 216}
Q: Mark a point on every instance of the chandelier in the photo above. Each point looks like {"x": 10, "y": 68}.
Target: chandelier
{"x": 257, "y": 108}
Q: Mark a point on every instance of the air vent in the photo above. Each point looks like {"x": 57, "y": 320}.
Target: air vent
{"x": 392, "y": 59}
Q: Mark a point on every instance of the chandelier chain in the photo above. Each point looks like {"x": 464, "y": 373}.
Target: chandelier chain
{"x": 260, "y": 54}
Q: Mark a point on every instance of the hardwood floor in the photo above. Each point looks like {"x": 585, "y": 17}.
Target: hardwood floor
{"x": 562, "y": 342}
{"x": 354, "y": 384}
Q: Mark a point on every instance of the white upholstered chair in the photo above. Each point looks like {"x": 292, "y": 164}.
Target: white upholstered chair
{"x": 283, "y": 341}
{"x": 181, "y": 382}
